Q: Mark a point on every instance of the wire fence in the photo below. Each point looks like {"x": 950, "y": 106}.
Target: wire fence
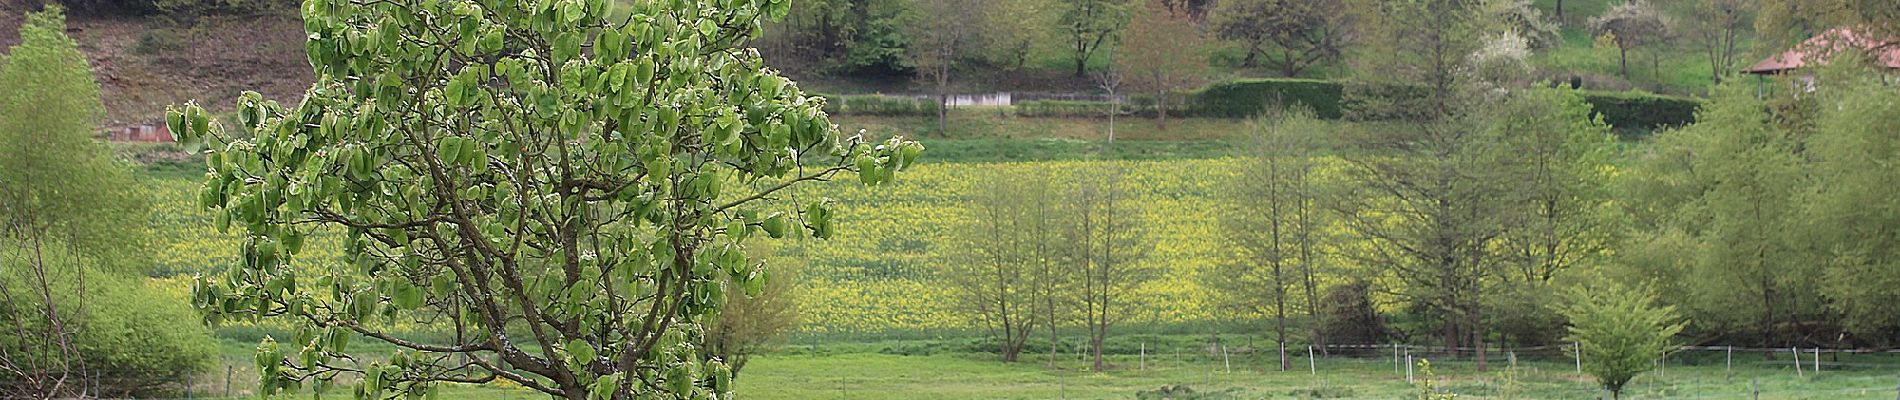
{"x": 1700, "y": 372}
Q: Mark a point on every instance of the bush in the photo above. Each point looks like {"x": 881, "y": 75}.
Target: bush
{"x": 133, "y": 337}
{"x": 1642, "y": 111}
{"x": 1384, "y": 102}
{"x": 879, "y": 105}
{"x": 1248, "y": 97}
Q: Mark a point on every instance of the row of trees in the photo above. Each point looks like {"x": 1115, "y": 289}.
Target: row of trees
{"x": 1488, "y": 198}
{"x": 1046, "y": 251}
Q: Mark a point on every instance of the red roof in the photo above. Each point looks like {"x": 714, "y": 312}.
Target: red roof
{"x": 1819, "y": 48}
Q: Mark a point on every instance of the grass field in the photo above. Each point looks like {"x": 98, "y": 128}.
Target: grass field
{"x": 864, "y": 370}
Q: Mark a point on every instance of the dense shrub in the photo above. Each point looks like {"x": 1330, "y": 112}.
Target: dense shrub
{"x": 1642, "y": 111}
{"x": 1248, "y": 97}
{"x": 135, "y": 340}
{"x": 1383, "y": 102}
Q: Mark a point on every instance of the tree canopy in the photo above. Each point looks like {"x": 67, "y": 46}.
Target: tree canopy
{"x": 567, "y": 189}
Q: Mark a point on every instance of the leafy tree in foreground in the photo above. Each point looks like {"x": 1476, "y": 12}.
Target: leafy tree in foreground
{"x": 1622, "y": 332}
{"x": 1108, "y": 244}
{"x": 564, "y": 192}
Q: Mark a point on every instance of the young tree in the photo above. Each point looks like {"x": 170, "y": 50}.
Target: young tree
{"x": 1291, "y": 34}
{"x": 750, "y": 323}
{"x": 943, "y": 33}
{"x": 64, "y": 204}
{"x": 1424, "y": 191}
{"x": 1621, "y": 330}
{"x": 1717, "y": 28}
{"x": 1010, "y": 244}
{"x": 1107, "y": 245}
{"x": 1558, "y": 158}
{"x": 1633, "y": 24}
{"x": 1087, "y": 25}
{"x": 1164, "y": 52}
{"x": 566, "y": 191}
{"x": 1273, "y": 223}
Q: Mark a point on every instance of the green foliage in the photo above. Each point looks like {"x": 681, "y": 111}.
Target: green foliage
{"x": 1428, "y": 386}
{"x": 130, "y": 335}
{"x": 1851, "y": 208}
{"x": 1634, "y": 111}
{"x": 1249, "y": 97}
{"x": 752, "y": 322}
{"x": 1622, "y": 330}
{"x": 56, "y": 182}
{"x": 1291, "y": 34}
{"x": 571, "y": 189}
{"x": 1719, "y": 197}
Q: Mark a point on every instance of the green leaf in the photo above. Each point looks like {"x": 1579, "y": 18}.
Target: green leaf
{"x": 449, "y": 150}
{"x": 580, "y": 350}
{"x": 407, "y": 296}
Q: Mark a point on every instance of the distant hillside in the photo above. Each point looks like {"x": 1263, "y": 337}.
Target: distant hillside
{"x": 144, "y": 64}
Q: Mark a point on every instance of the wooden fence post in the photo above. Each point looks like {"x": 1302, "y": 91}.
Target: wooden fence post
{"x": 1797, "y": 361}
{"x": 1408, "y": 368}
{"x": 1311, "y": 365}
{"x": 1579, "y": 357}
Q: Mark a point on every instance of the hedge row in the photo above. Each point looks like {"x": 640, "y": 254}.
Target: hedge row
{"x": 1075, "y": 108}
{"x": 1645, "y": 111}
{"x": 1329, "y": 100}
{"x": 881, "y": 105}
{"x": 1247, "y": 97}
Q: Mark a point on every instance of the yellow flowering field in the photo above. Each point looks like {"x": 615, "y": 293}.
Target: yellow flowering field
{"x": 876, "y": 274}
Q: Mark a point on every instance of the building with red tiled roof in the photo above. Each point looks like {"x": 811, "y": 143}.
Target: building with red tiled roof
{"x": 1817, "y": 50}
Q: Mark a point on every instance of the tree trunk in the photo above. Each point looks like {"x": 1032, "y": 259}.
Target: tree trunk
{"x": 1623, "y": 59}
{"x": 1161, "y": 110}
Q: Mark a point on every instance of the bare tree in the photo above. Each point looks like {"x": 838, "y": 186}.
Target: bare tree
{"x": 1717, "y": 28}
{"x": 1107, "y": 243}
{"x": 1008, "y": 270}
{"x": 1631, "y": 25}
{"x": 1164, "y": 51}
{"x": 944, "y": 33}
{"x": 1273, "y": 223}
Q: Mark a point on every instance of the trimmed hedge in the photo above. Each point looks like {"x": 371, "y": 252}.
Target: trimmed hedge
{"x": 1644, "y": 111}
{"x": 880, "y": 105}
{"x": 1248, "y": 97}
{"x": 1075, "y": 108}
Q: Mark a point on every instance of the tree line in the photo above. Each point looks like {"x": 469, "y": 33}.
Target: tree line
{"x": 1488, "y": 209}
